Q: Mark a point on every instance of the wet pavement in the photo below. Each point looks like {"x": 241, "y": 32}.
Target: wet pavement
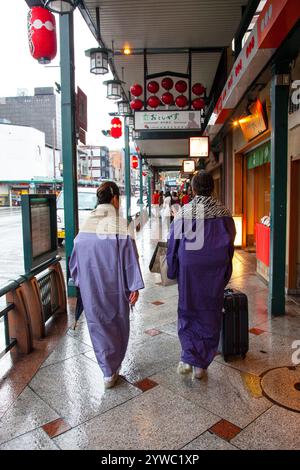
{"x": 243, "y": 404}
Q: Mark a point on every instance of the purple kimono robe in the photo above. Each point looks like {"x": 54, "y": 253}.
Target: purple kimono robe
{"x": 202, "y": 275}
{"x": 105, "y": 266}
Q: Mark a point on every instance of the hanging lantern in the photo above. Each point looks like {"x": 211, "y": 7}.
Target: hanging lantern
{"x": 123, "y": 108}
{"x": 153, "y": 101}
{"x": 167, "y": 98}
{"x": 181, "y": 86}
{"x": 61, "y": 6}
{"x": 153, "y": 87}
{"x": 98, "y": 60}
{"x": 129, "y": 121}
{"x": 134, "y": 162}
{"x": 144, "y": 173}
{"x": 181, "y": 101}
{"x": 42, "y": 34}
{"x": 116, "y": 128}
{"x": 136, "y": 90}
{"x": 198, "y": 89}
{"x": 167, "y": 83}
{"x": 136, "y": 105}
{"x": 198, "y": 103}
{"x": 113, "y": 89}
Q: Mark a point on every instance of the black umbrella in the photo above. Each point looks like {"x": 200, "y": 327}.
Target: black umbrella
{"x": 79, "y": 308}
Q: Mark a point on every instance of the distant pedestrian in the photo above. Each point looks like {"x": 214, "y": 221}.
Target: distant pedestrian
{"x": 185, "y": 198}
{"x": 155, "y": 203}
{"x": 175, "y": 205}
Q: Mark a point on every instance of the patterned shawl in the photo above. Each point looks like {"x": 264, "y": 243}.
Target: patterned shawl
{"x": 200, "y": 207}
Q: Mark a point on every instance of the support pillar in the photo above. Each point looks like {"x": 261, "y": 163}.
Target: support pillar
{"x": 127, "y": 175}
{"x": 69, "y": 151}
{"x": 149, "y": 195}
{"x": 141, "y": 179}
{"x": 279, "y": 158}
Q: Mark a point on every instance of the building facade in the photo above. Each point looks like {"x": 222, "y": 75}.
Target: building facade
{"x": 26, "y": 164}
{"x": 255, "y": 150}
{"x": 95, "y": 161}
{"x": 41, "y": 111}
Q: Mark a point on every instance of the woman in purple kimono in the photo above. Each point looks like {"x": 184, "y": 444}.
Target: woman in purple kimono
{"x": 199, "y": 255}
{"x": 104, "y": 264}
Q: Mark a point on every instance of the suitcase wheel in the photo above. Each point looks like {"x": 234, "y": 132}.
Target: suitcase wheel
{"x": 226, "y": 358}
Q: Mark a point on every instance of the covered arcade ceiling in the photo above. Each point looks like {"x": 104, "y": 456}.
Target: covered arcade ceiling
{"x": 168, "y": 31}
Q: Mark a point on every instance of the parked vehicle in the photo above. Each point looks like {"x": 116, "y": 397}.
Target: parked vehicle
{"x": 87, "y": 201}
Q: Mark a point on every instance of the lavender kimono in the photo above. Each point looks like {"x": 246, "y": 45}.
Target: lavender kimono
{"x": 104, "y": 264}
{"x": 202, "y": 275}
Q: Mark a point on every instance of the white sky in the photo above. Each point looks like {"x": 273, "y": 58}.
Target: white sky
{"x": 20, "y": 70}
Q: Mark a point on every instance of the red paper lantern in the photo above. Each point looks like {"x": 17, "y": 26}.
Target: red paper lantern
{"x": 42, "y": 34}
{"x": 167, "y": 98}
{"x": 167, "y": 83}
{"x": 144, "y": 174}
{"x": 116, "y": 128}
{"x": 181, "y": 101}
{"x": 153, "y": 101}
{"x": 134, "y": 162}
{"x": 153, "y": 87}
{"x": 198, "y": 103}
{"x": 136, "y": 90}
{"x": 181, "y": 86}
{"x": 198, "y": 89}
{"x": 136, "y": 105}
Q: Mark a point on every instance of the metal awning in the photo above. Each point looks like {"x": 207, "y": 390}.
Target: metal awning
{"x": 167, "y": 31}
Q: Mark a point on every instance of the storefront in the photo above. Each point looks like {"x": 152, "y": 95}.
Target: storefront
{"x": 11, "y": 191}
{"x": 251, "y": 147}
{"x": 252, "y": 194}
{"x": 258, "y": 189}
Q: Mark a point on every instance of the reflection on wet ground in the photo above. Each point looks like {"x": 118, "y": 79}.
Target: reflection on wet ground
{"x": 56, "y": 399}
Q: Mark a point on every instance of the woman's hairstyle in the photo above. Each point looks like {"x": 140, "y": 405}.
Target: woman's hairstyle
{"x": 167, "y": 194}
{"x": 203, "y": 183}
{"x": 106, "y": 192}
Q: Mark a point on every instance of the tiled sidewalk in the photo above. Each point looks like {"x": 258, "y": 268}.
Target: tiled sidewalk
{"x": 238, "y": 405}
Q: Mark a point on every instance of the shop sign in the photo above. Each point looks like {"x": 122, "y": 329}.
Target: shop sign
{"x": 81, "y": 109}
{"x": 273, "y": 25}
{"x": 82, "y": 136}
{"x": 189, "y": 166}
{"x": 199, "y": 146}
{"x": 255, "y": 123}
{"x": 162, "y": 120}
{"x": 259, "y": 156}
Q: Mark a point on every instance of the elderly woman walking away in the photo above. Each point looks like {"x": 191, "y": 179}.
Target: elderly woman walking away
{"x": 199, "y": 255}
{"x": 104, "y": 264}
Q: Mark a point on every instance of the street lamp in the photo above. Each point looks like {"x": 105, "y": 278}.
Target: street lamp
{"x": 99, "y": 60}
{"x": 113, "y": 89}
{"x": 123, "y": 108}
{"x": 61, "y": 6}
{"x": 129, "y": 121}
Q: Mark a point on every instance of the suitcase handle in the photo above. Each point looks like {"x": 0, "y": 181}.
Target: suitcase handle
{"x": 228, "y": 291}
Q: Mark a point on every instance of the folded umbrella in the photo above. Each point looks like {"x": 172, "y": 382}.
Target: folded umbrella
{"x": 79, "y": 308}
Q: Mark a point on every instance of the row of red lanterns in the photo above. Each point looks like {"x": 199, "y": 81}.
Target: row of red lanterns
{"x": 167, "y": 98}
{"x": 167, "y": 83}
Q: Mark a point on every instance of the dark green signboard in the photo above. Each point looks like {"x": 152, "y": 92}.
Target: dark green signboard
{"x": 259, "y": 156}
{"x": 39, "y": 229}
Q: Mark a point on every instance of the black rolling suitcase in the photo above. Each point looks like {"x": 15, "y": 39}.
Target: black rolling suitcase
{"x": 235, "y": 328}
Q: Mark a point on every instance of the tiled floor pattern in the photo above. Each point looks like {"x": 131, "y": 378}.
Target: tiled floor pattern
{"x": 242, "y": 404}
